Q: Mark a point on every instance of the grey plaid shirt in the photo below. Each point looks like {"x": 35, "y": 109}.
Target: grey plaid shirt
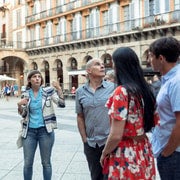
{"x": 92, "y": 105}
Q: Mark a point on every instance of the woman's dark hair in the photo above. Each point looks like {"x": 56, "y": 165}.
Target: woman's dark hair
{"x": 130, "y": 75}
{"x": 168, "y": 47}
{"x": 31, "y": 73}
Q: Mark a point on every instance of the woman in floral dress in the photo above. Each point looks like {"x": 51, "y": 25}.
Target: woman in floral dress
{"x": 127, "y": 154}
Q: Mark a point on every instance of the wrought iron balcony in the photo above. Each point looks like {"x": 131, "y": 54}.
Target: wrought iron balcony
{"x": 132, "y": 26}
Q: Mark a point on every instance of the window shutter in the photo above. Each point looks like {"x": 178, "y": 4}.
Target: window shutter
{"x": 167, "y": 6}
{"x": 157, "y": 7}
{"x": 146, "y": 8}
{"x": 132, "y": 21}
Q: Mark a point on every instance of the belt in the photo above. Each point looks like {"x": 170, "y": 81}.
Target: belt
{"x": 136, "y": 138}
{"x": 42, "y": 127}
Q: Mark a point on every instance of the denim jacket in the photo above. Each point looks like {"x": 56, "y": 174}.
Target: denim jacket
{"x": 49, "y": 96}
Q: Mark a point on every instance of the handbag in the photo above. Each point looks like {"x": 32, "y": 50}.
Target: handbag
{"x": 19, "y": 139}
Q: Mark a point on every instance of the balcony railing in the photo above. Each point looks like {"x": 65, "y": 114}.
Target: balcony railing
{"x": 130, "y": 26}
{"x": 109, "y": 30}
{"x": 59, "y": 9}
{"x": 12, "y": 44}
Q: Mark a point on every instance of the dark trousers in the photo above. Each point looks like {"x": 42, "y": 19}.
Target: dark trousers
{"x": 169, "y": 167}
{"x": 93, "y": 157}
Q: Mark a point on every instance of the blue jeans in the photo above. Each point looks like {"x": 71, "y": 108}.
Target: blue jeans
{"x": 45, "y": 140}
{"x": 169, "y": 167}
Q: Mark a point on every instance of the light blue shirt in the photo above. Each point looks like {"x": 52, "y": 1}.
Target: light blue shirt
{"x": 168, "y": 102}
{"x": 35, "y": 110}
{"x": 92, "y": 105}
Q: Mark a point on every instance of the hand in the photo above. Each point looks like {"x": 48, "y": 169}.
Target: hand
{"x": 102, "y": 158}
{"x": 56, "y": 85}
{"x": 165, "y": 154}
{"x": 23, "y": 101}
{"x": 84, "y": 139}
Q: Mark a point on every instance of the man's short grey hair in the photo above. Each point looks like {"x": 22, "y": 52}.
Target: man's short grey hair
{"x": 90, "y": 62}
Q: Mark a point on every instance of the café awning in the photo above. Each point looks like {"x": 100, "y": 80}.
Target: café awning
{"x": 6, "y": 78}
{"x": 77, "y": 72}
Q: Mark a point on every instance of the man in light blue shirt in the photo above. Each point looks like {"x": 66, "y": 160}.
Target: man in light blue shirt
{"x": 164, "y": 54}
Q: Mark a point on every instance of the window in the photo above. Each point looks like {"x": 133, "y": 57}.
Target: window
{"x": 167, "y": 5}
{"x": 37, "y": 29}
{"x": 35, "y": 67}
{"x": 149, "y": 11}
{"x": 3, "y": 31}
{"x": 126, "y": 18}
{"x": 62, "y": 2}
{"x": 132, "y": 18}
{"x": 157, "y": 7}
{"x": 18, "y": 18}
{"x": 151, "y": 7}
{"x": 48, "y": 33}
{"x": 73, "y": 64}
{"x": 58, "y": 29}
{"x": 94, "y": 22}
{"x": 32, "y": 37}
{"x": 84, "y": 2}
{"x": 176, "y": 4}
{"x": 105, "y": 23}
{"x": 19, "y": 39}
{"x": 87, "y": 27}
{"x": 62, "y": 25}
{"x": 77, "y": 27}
{"x": 19, "y": 2}
{"x": 43, "y": 5}
{"x": 71, "y": 28}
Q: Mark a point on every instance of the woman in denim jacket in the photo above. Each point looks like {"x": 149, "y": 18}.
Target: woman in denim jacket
{"x": 36, "y": 107}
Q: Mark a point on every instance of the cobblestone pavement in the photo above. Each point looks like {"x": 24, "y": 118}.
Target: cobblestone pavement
{"x": 68, "y": 159}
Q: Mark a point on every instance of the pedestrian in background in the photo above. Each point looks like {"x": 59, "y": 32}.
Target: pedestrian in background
{"x": 155, "y": 85}
{"x": 164, "y": 54}
{"x": 7, "y": 91}
{"x": 73, "y": 90}
{"x": 92, "y": 115}
{"x": 132, "y": 110}
{"x": 110, "y": 76}
{"x": 36, "y": 107}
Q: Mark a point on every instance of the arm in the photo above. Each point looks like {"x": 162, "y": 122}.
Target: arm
{"x": 116, "y": 133}
{"x": 81, "y": 126}
{"x": 174, "y": 140}
{"x": 58, "y": 88}
{"x": 22, "y": 109}
{"x": 60, "y": 100}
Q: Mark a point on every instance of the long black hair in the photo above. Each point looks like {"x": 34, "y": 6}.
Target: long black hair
{"x": 130, "y": 75}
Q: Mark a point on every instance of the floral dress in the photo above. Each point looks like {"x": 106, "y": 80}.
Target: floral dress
{"x": 131, "y": 160}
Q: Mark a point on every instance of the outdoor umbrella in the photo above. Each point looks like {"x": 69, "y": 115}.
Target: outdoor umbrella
{"x": 6, "y": 78}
